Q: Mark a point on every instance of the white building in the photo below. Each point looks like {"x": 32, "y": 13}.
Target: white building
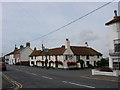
{"x": 19, "y": 56}
{"x": 9, "y": 58}
{"x": 114, "y": 41}
{"x": 22, "y": 55}
{"x": 65, "y": 56}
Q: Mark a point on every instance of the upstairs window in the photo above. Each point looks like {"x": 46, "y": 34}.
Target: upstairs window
{"x": 97, "y": 56}
{"x": 42, "y": 57}
{"x": 66, "y": 57}
{"x": 32, "y": 57}
{"x": 77, "y": 57}
{"x": 117, "y": 45}
{"x": 49, "y": 57}
{"x": 35, "y": 57}
{"x": 87, "y": 57}
{"x": 56, "y": 58}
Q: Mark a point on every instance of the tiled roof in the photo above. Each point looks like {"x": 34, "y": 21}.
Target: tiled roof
{"x": 35, "y": 53}
{"x": 116, "y": 19}
{"x": 77, "y": 50}
{"x": 19, "y": 50}
{"x": 9, "y": 53}
{"x": 55, "y": 51}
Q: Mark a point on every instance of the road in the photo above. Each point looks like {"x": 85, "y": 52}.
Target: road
{"x": 34, "y": 77}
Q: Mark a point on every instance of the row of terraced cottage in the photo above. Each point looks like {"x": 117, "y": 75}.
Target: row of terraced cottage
{"x": 65, "y": 56}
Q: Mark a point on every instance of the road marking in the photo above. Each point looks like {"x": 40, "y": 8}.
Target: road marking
{"x": 100, "y": 79}
{"x": 33, "y": 74}
{"x": 78, "y": 84}
{"x": 47, "y": 77}
{"x": 12, "y": 81}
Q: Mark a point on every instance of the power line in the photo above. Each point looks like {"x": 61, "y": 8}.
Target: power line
{"x": 72, "y": 21}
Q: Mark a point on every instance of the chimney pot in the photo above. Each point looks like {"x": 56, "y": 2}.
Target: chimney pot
{"x": 66, "y": 39}
{"x": 115, "y": 12}
{"x": 21, "y": 46}
{"x": 35, "y": 49}
{"x": 67, "y": 44}
{"x": 27, "y": 44}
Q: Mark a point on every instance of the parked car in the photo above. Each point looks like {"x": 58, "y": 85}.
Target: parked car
{"x": 3, "y": 66}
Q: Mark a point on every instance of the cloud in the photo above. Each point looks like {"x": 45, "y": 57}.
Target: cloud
{"x": 85, "y": 36}
{"x": 88, "y": 35}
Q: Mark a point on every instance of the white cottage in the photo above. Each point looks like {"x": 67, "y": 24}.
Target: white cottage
{"x": 19, "y": 56}
{"x": 22, "y": 55}
{"x": 9, "y": 58}
{"x": 114, "y": 41}
{"x": 65, "y": 57}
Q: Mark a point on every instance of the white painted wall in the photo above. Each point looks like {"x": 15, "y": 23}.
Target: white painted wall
{"x": 24, "y": 54}
{"x": 113, "y": 32}
{"x": 10, "y": 58}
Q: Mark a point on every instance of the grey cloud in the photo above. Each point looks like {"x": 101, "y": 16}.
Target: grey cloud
{"x": 85, "y": 36}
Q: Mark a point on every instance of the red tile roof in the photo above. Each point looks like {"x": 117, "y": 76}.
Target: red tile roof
{"x": 9, "y": 53}
{"x": 35, "y": 53}
{"x": 116, "y": 19}
{"x": 55, "y": 51}
{"x": 77, "y": 50}
{"x": 17, "y": 51}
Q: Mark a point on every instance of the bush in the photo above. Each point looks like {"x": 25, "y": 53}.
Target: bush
{"x": 18, "y": 63}
{"x": 102, "y": 62}
{"x": 71, "y": 63}
{"x": 90, "y": 66}
{"x": 60, "y": 62}
{"x": 106, "y": 69}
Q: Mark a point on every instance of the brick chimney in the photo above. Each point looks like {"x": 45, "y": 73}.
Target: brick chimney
{"x": 67, "y": 44}
{"x": 27, "y": 44}
{"x": 21, "y": 46}
{"x": 115, "y": 12}
{"x": 35, "y": 49}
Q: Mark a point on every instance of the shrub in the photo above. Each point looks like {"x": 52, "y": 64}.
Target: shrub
{"x": 38, "y": 61}
{"x": 71, "y": 63}
{"x": 18, "y": 63}
{"x": 106, "y": 69}
{"x": 51, "y": 61}
{"x": 90, "y": 66}
{"x": 60, "y": 62}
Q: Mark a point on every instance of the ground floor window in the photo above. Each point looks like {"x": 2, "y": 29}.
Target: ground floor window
{"x": 32, "y": 62}
{"x": 66, "y": 57}
{"x": 116, "y": 63}
{"x": 87, "y": 62}
{"x": 94, "y": 63}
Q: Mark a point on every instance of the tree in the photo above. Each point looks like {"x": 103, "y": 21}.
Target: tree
{"x": 102, "y": 62}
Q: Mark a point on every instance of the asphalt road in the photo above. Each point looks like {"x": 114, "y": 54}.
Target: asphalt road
{"x": 33, "y": 77}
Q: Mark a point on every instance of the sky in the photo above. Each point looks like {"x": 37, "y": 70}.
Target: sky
{"x": 26, "y": 21}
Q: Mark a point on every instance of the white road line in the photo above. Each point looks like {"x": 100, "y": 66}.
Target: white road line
{"x": 78, "y": 84}
{"x": 31, "y": 73}
{"x": 47, "y": 77}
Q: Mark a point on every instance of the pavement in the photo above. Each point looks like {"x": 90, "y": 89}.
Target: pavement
{"x": 34, "y": 77}
{"x": 102, "y": 77}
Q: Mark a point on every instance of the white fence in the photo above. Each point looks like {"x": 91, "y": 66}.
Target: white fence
{"x": 114, "y": 73}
